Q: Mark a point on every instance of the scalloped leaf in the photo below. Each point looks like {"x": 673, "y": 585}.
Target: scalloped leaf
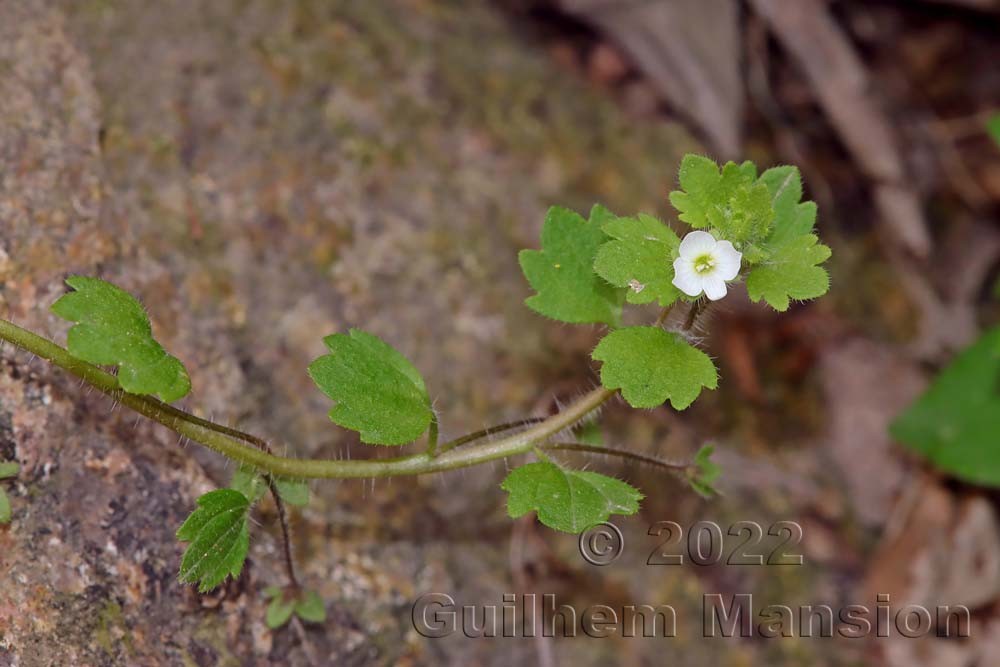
{"x": 375, "y": 389}
{"x": 791, "y": 271}
{"x": 704, "y": 472}
{"x": 568, "y": 500}
{"x": 732, "y": 202}
{"x": 651, "y": 366}
{"x": 562, "y": 272}
{"x": 640, "y": 258}
{"x": 792, "y": 217}
{"x": 112, "y": 329}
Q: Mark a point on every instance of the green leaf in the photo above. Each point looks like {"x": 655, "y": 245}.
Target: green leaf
{"x": 640, "y": 259}
{"x": 993, "y": 127}
{"x": 955, "y": 424}
{"x": 249, "y": 482}
{"x": 704, "y": 472}
{"x": 310, "y": 608}
{"x": 792, "y": 271}
{"x": 747, "y": 215}
{"x": 112, "y": 328}
{"x": 5, "y": 512}
{"x": 732, "y": 202}
{"x": 252, "y": 484}
{"x": 375, "y": 390}
{"x": 7, "y": 469}
{"x": 292, "y": 491}
{"x": 567, "y": 500}
{"x": 701, "y": 189}
{"x": 651, "y": 365}
{"x": 792, "y": 218}
{"x": 219, "y": 539}
{"x": 562, "y": 272}
{"x": 278, "y": 612}
{"x": 590, "y": 433}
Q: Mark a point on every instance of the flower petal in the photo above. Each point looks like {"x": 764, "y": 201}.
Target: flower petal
{"x": 685, "y": 277}
{"x": 696, "y": 243}
{"x": 715, "y": 287}
{"x": 727, "y": 260}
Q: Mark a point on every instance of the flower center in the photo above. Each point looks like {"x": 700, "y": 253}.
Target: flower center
{"x": 704, "y": 263}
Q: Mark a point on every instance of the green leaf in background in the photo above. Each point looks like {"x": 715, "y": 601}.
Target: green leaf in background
{"x": 310, "y": 608}
{"x": 562, "y": 272}
{"x": 791, "y": 271}
{"x": 704, "y": 472}
{"x": 279, "y": 611}
{"x": 375, "y": 390}
{"x": 640, "y": 258}
{"x": 112, "y": 328}
{"x": 955, "y": 424}
{"x": 7, "y": 469}
{"x": 589, "y": 433}
{"x": 651, "y": 365}
{"x": 5, "y": 512}
{"x": 567, "y": 500}
{"x": 249, "y": 482}
{"x": 993, "y": 127}
{"x": 732, "y": 201}
{"x": 292, "y": 491}
{"x": 219, "y": 538}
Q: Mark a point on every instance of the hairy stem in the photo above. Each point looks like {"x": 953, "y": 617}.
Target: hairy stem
{"x": 663, "y": 315}
{"x": 696, "y": 309}
{"x": 234, "y": 444}
{"x": 286, "y": 537}
{"x": 492, "y": 430}
{"x": 612, "y": 451}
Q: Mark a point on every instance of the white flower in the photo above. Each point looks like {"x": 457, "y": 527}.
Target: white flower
{"x": 704, "y": 265}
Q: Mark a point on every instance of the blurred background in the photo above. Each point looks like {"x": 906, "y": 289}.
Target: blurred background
{"x": 263, "y": 173}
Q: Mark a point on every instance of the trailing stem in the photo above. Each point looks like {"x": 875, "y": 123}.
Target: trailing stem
{"x": 253, "y": 451}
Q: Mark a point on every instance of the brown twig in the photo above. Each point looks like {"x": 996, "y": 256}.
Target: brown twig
{"x": 286, "y": 538}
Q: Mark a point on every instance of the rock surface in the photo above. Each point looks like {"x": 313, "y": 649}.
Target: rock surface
{"x": 262, "y": 174}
